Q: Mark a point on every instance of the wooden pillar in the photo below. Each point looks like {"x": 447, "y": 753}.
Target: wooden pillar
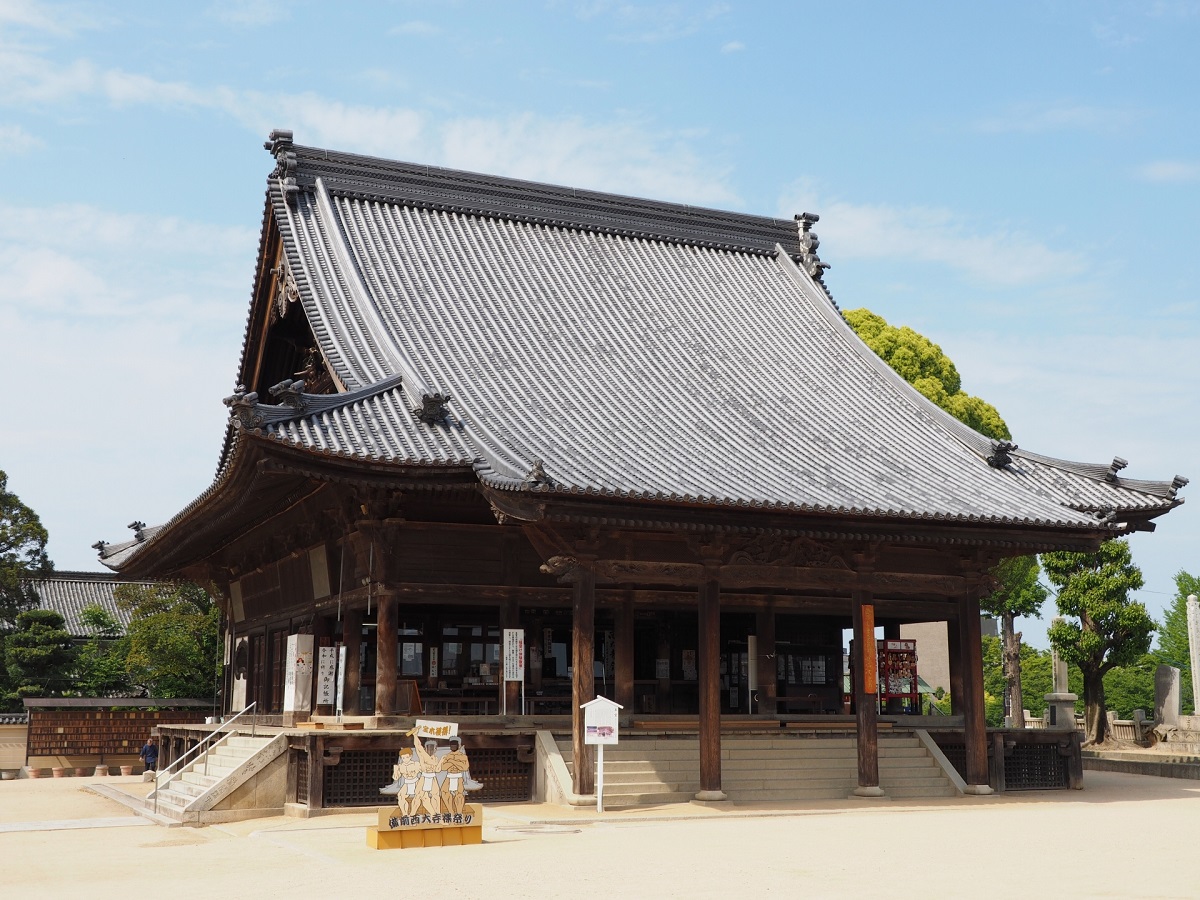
{"x": 623, "y": 677}
{"x": 954, "y": 654}
{"x": 865, "y": 663}
{"x": 973, "y": 711}
{"x": 315, "y": 748}
{"x": 768, "y": 672}
{"x": 662, "y": 696}
{"x": 510, "y": 691}
{"x": 583, "y": 681}
{"x": 709, "y": 637}
{"x": 352, "y": 620}
{"x": 386, "y": 678}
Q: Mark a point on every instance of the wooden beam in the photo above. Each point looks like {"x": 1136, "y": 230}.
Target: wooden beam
{"x": 866, "y": 700}
{"x": 974, "y": 720}
{"x": 623, "y": 677}
{"x": 583, "y": 681}
{"x": 709, "y": 638}
{"x": 768, "y": 673}
{"x": 386, "y": 675}
{"x": 352, "y": 621}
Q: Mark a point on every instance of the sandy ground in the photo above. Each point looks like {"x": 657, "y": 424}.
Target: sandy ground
{"x": 1123, "y": 836}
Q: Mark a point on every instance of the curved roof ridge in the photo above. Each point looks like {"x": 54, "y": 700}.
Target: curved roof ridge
{"x": 455, "y": 190}
{"x": 1102, "y": 472}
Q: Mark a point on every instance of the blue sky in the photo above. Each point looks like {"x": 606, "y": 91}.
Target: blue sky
{"x": 1017, "y": 181}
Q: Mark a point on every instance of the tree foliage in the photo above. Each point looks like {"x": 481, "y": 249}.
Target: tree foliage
{"x": 1018, "y": 593}
{"x": 1110, "y": 629}
{"x": 1172, "y": 647}
{"x": 172, "y": 639}
{"x": 38, "y": 656}
{"x": 22, "y": 556}
{"x": 100, "y": 667}
{"x": 922, "y": 364}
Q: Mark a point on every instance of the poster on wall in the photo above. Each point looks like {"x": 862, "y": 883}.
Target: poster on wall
{"x": 298, "y": 672}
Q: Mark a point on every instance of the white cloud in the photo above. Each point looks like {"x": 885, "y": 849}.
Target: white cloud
{"x": 1170, "y": 171}
{"x": 59, "y": 19}
{"x": 651, "y": 23}
{"x": 1035, "y": 118}
{"x": 733, "y": 47}
{"x": 14, "y": 139}
{"x": 109, "y": 321}
{"x": 624, "y": 156}
{"x": 415, "y": 28}
{"x": 1000, "y": 257}
{"x": 248, "y": 13}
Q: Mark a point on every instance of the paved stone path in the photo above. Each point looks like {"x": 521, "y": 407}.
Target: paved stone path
{"x": 1123, "y": 836}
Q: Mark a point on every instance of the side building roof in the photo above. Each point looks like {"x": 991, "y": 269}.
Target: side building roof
{"x": 69, "y": 593}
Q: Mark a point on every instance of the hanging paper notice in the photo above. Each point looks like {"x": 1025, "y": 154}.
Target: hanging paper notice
{"x": 326, "y": 676}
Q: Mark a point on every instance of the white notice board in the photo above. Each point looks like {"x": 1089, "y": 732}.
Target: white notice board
{"x": 514, "y": 654}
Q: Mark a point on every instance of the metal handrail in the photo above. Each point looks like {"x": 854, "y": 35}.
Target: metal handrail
{"x": 202, "y": 745}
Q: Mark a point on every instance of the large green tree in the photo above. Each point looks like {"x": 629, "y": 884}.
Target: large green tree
{"x": 1107, "y": 628}
{"x": 38, "y": 657}
{"x": 172, "y": 638}
{"x": 1172, "y": 647}
{"x": 921, "y": 363}
{"x": 23, "y": 557}
{"x": 1018, "y": 593}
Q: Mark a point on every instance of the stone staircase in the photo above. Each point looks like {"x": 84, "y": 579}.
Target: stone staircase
{"x": 650, "y": 770}
{"x": 213, "y": 776}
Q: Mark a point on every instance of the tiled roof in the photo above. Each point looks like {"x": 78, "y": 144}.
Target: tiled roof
{"x": 68, "y": 593}
{"x": 572, "y": 342}
{"x": 635, "y": 366}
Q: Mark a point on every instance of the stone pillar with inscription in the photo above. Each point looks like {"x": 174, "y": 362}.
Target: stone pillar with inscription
{"x": 1060, "y": 702}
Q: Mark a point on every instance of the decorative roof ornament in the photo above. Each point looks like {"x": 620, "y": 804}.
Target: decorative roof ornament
{"x": 101, "y": 547}
{"x": 280, "y": 145}
{"x": 433, "y": 409}
{"x": 290, "y": 392}
{"x": 1176, "y": 483}
{"x": 537, "y": 476}
{"x": 1000, "y": 454}
{"x": 1117, "y": 465}
{"x": 138, "y": 529}
{"x": 244, "y": 407}
{"x": 809, "y": 261}
{"x": 287, "y": 291}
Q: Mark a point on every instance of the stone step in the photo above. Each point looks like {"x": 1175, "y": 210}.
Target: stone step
{"x": 839, "y": 792}
{"x": 653, "y": 798}
{"x": 198, "y": 778}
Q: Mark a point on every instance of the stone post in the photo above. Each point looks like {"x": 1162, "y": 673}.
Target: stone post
{"x": 1193, "y": 620}
{"x": 1060, "y": 702}
{"x": 1166, "y": 696}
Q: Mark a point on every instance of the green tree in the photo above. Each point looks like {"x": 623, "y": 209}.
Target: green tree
{"x": 1018, "y": 593}
{"x": 172, "y": 638}
{"x": 922, "y": 364}
{"x": 1111, "y": 629}
{"x": 1172, "y": 646}
{"x": 22, "y": 556}
{"x": 100, "y": 667}
{"x": 38, "y": 656}
{"x": 1131, "y": 687}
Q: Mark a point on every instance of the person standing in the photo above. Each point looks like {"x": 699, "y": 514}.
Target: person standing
{"x": 149, "y": 754}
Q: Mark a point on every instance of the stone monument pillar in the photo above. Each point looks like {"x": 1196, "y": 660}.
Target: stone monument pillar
{"x": 1193, "y": 620}
{"x": 1166, "y": 696}
{"x": 1060, "y": 704}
